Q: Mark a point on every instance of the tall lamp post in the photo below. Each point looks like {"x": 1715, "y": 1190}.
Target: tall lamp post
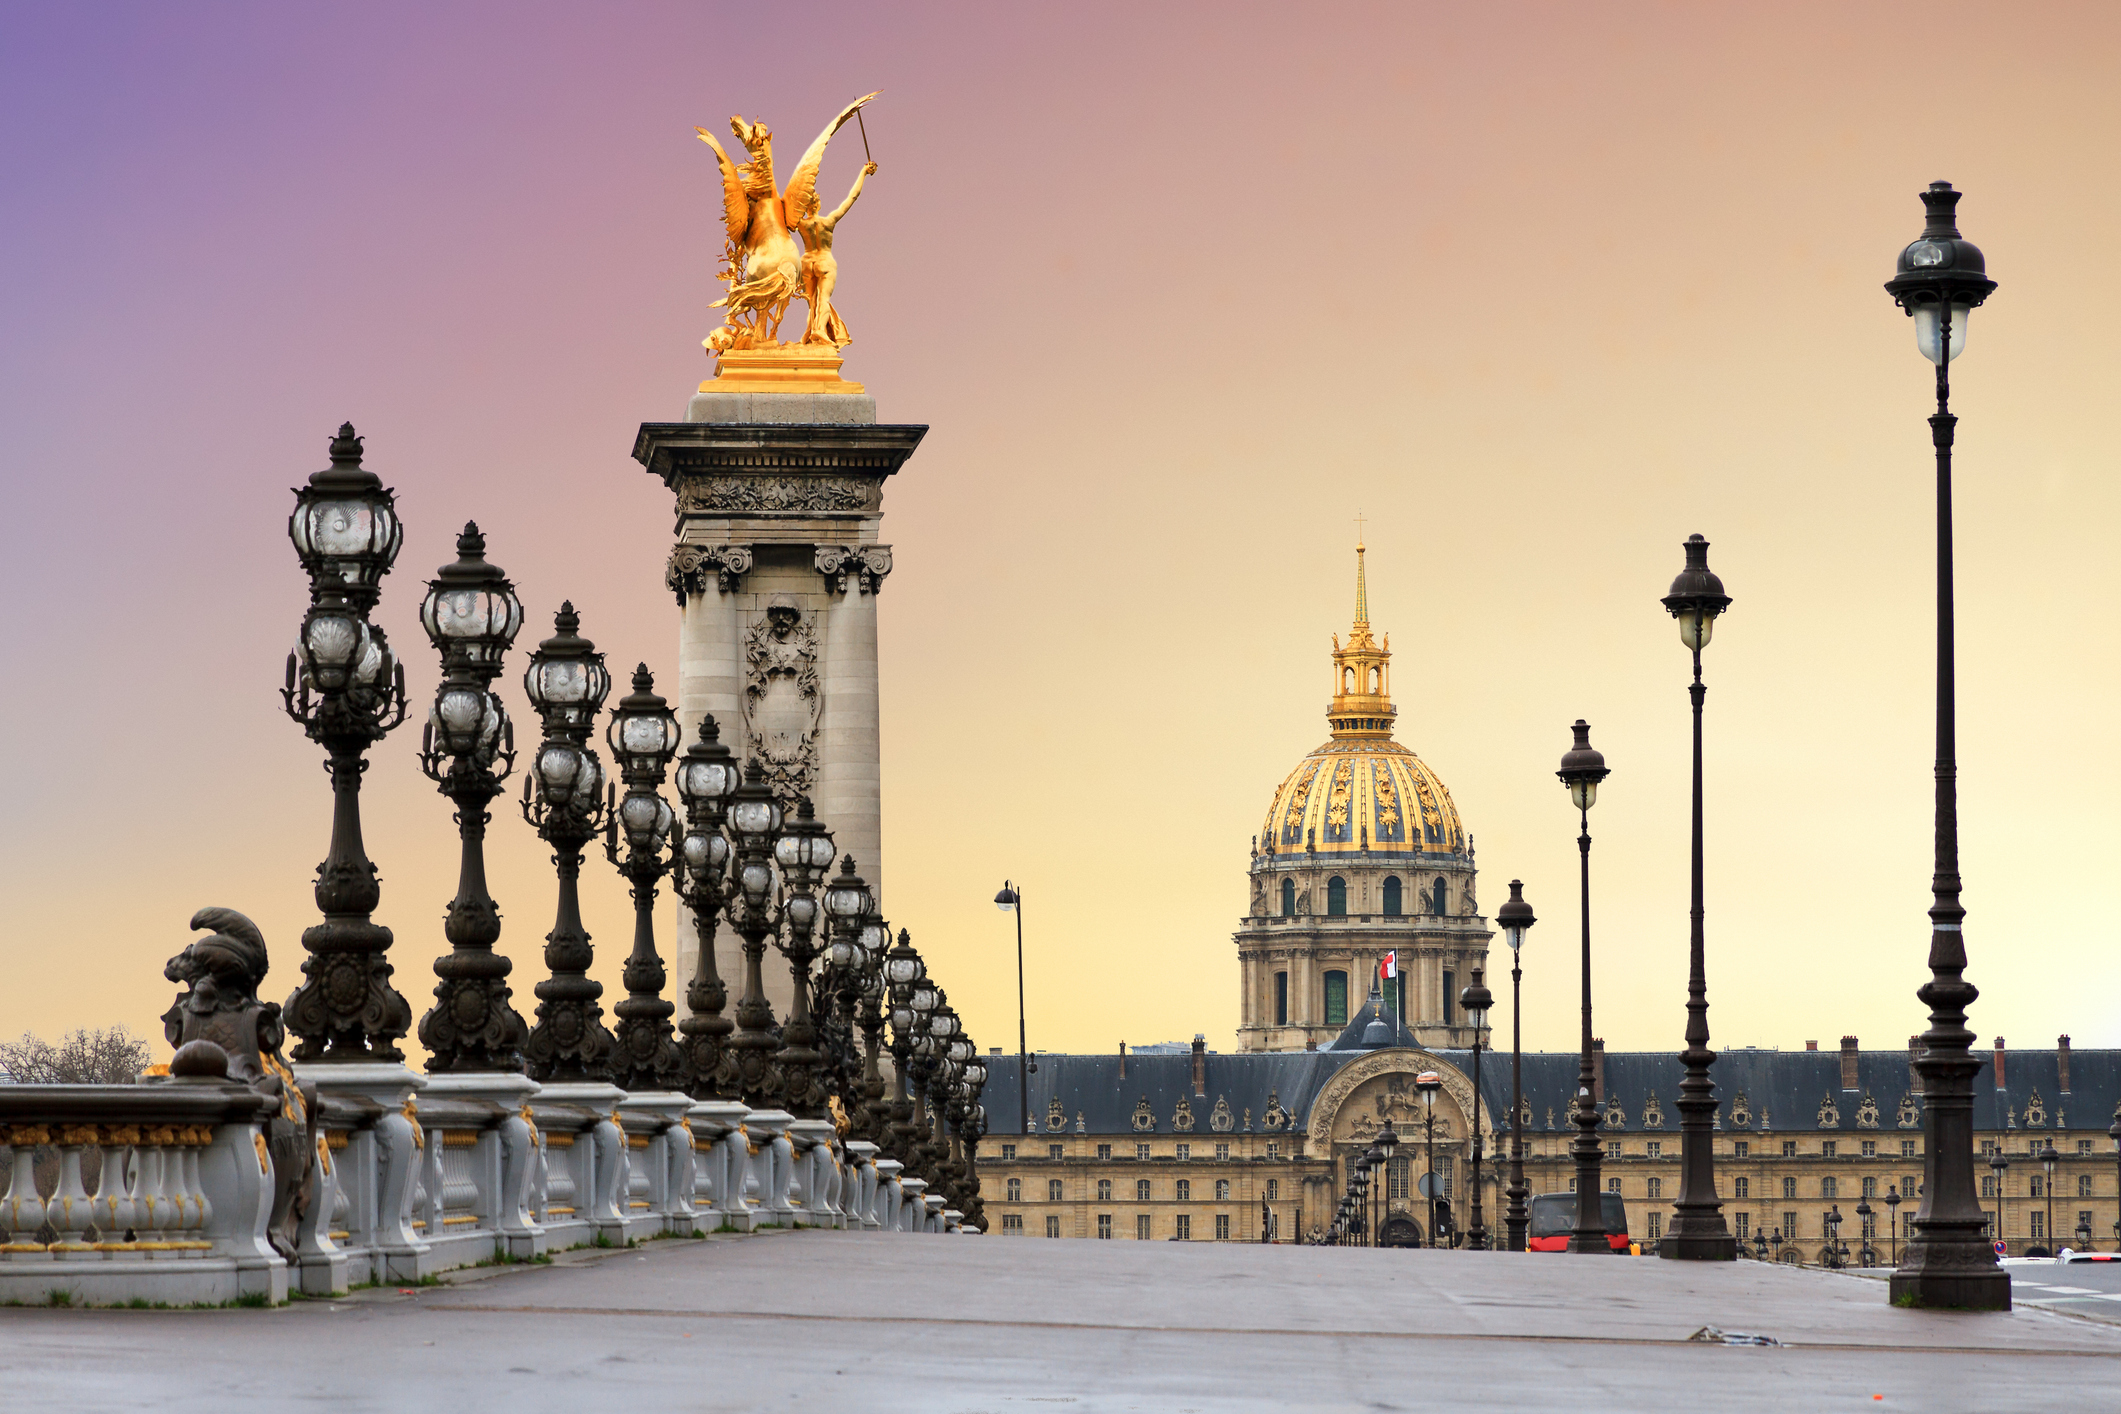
{"x": 1428, "y": 1083}
{"x": 1998, "y": 1165}
{"x": 1387, "y": 1146}
{"x": 1698, "y": 1231}
{"x": 1515, "y": 917}
{"x": 1893, "y": 1200}
{"x": 1011, "y": 900}
{"x": 2048, "y": 1160}
{"x": 804, "y": 851}
{"x": 1582, "y": 768}
{"x": 643, "y": 737}
{"x": 754, "y": 820}
{"x": 472, "y": 615}
{"x": 707, "y": 777}
{"x": 1476, "y": 1000}
{"x": 1939, "y": 281}
{"x": 1866, "y": 1256}
{"x": 347, "y": 691}
{"x": 563, "y": 799}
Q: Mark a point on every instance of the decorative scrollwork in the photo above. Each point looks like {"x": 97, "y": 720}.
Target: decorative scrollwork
{"x": 1144, "y": 1117}
{"x": 1829, "y": 1114}
{"x": 1907, "y": 1117}
{"x": 1220, "y": 1119}
{"x": 1056, "y": 1117}
{"x": 2035, "y": 1112}
{"x": 777, "y": 493}
{"x": 1867, "y": 1112}
{"x": 863, "y": 566}
{"x": 1182, "y": 1117}
{"x": 1275, "y": 1117}
{"x": 690, "y": 566}
{"x": 1741, "y": 1111}
{"x": 1652, "y": 1113}
{"x": 1615, "y": 1116}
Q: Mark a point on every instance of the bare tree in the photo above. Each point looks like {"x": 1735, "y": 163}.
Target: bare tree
{"x": 105, "y": 1057}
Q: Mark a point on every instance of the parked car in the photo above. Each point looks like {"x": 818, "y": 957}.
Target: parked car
{"x": 1554, "y": 1218}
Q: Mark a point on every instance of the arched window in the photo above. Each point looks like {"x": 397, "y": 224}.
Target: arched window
{"x": 1437, "y": 902}
{"x": 1375, "y": 678}
{"x": 1337, "y": 897}
{"x": 1336, "y": 999}
{"x": 1288, "y": 898}
{"x": 1392, "y": 897}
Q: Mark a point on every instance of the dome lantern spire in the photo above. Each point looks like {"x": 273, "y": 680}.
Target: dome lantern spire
{"x": 1362, "y": 671}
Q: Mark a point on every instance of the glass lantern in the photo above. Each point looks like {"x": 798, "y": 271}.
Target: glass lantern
{"x": 566, "y": 680}
{"x": 471, "y": 611}
{"x": 644, "y": 731}
{"x": 345, "y": 525}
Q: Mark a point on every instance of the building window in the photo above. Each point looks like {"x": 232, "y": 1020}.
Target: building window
{"x": 1222, "y": 1227}
{"x": 1572, "y": 1185}
{"x": 1789, "y": 1188}
{"x": 1273, "y": 1149}
{"x": 2039, "y": 1221}
{"x": 1012, "y": 1225}
{"x": 1437, "y": 897}
{"x": 1612, "y": 1185}
{"x": 1740, "y": 1149}
{"x": 1288, "y": 898}
{"x": 1656, "y": 1226}
{"x": 1829, "y": 1188}
{"x": 2084, "y": 1185}
{"x": 1185, "y": 1190}
{"x": 1870, "y": 1187}
{"x": 1184, "y": 1152}
{"x": 1016, "y": 1190}
{"x": 1141, "y": 1228}
{"x": 1055, "y": 1151}
{"x": 2084, "y": 1146}
{"x": 1222, "y": 1151}
{"x": 1336, "y": 999}
{"x": 1870, "y": 1226}
{"x": 1870, "y": 1148}
{"x": 1653, "y": 1150}
{"x": 1104, "y": 1225}
{"x": 1396, "y": 1171}
{"x": 1336, "y": 897}
{"x": 1104, "y": 1151}
{"x": 1907, "y": 1148}
{"x": 1612, "y": 1149}
{"x": 1450, "y": 999}
{"x": 1273, "y": 1189}
{"x": 1826, "y": 1149}
{"x": 1104, "y": 1190}
{"x": 1053, "y": 1227}
{"x": 1743, "y": 1225}
{"x": 1789, "y": 1148}
{"x": 1910, "y": 1187}
{"x": 1141, "y": 1151}
{"x": 1222, "y": 1190}
{"x": 1655, "y": 1188}
{"x": 1141, "y": 1190}
{"x": 1392, "y": 909}
{"x": 1789, "y": 1227}
{"x": 1053, "y": 1190}
{"x": 1988, "y": 1147}
{"x": 1742, "y": 1188}
{"x": 1988, "y": 1185}
{"x": 1183, "y": 1228}
{"x": 1008, "y": 1152}
{"x": 2038, "y": 1191}
{"x": 1281, "y": 999}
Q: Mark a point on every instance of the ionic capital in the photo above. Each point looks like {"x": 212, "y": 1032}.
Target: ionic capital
{"x": 863, "y": 566}
{"x": 691, "y": 564}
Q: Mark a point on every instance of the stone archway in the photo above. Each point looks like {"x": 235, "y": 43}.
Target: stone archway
{"x": 1399, "y": 1230}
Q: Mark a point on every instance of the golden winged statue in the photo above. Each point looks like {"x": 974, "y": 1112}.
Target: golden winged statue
{"x": 762, "y": 264}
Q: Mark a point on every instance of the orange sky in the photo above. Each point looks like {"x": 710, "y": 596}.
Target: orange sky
{"x": 1540, "y": 289}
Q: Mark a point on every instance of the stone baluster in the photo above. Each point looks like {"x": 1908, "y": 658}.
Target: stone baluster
{"x": 117, "y": 1210}
{"x": 22, "y": 1210}
{"x": 860, "y": 1202}
{"x": 399, "y": 1146}
{"x": 198, "y": 1209}
{"x": 521, "y": 1167}
{"x": 608, "y": 1178}
{"x": 321, "y": 1266}
{"x": 889, "y": 1194}
{"x": 156, "y": 1212}
{"x": 913, "y": 1209}
{"x": 71, "y": 1211}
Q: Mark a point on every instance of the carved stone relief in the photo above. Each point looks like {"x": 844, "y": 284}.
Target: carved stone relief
{"x": 1144, "y": 1117}
{"x": 782, "y": 698}
{"x": 1275, "y": 1117}
{"x": 1829, "y": 1113}
{"x": 1056, "y": 1117}
{"x": 1907, "y": 1117}
{"x": 1741, "y": 1110}
{"x": 1182, "y": 1117}
{"x": 861, "y": 565}
{"x": 2036, "y": 1112}
{"x": 777, "y": 493}
{"x": 1220, "y": 1119}
{"x": 1867, "y": 1112}
{"x": 1652, "y": 1113}
{"x": 691, "y": 565}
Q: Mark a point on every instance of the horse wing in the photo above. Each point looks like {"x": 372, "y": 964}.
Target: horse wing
{"x": 736, "y": 207}
{"x": 800, "y": 201}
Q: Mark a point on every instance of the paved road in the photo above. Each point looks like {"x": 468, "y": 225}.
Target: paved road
{"x": 2081, "y": 1288}
{"x": 782, "y": 1321}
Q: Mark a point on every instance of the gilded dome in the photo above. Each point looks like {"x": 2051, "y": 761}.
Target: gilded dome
{"x": 1362, "y": 790}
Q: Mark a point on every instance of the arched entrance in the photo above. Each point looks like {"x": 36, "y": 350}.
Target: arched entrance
{"x": 1399, "y": 1231}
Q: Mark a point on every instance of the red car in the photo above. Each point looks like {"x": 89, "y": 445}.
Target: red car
{"x": 1554, "y": 1218}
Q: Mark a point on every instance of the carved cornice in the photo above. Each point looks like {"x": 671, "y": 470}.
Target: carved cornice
{"x": 690, "y": 566}
{"x": 862, "y": 565}
{"x": 710, "y": 452}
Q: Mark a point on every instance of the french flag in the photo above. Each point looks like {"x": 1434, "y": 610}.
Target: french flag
{"x": 1388, "y": 966}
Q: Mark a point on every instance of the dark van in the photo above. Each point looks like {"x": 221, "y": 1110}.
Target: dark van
{"x": 1554, "y": 1218}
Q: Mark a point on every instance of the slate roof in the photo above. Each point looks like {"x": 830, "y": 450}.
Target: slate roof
{"x": 1783, "y": 1090}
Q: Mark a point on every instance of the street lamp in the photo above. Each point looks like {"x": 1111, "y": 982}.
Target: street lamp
{"x": 1476, "y": 1000}
{"x": 1387, "y": 1144}
{"x": 1939, "y": 281}
{"x": 1833, "y": 1237}
{"x": 1515, "y": 917}
{"x": 2084, "y": 1234}
{"x": 643, "y": 737}
{"x": 1698, "y": 1231}
{"x": 347, "y": 691}
{"x": 903, "y": 973}
{"x": 1866, "y": 1257}
{"x": 1999, "y": 1164}
{"x": 1427, "y": 1084}
{"x": 804, "y": 851}
{"x": 1760, "y": 1247}
{"x": 472, "y": 615}
{"x": 707, "y": 778}
{"x": 754, "y": 821}
{"x": 2048, "y": 1160}
{"x": 1893, "y": 1200}
{"x": 1011, "y": 900}
{"x": 563, "y": 800}
{"x": 1777, "y": 1241}
{"x": 1582, "y": 768}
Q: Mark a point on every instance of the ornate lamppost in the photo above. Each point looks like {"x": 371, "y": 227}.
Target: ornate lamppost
{"x": 1940, "y": 279}
{"x": 707, "y": 778}
{"x": 1387, "y": 1145}
{"x": 1515, "y": 918}
{"x": 1427, "y": 1084}
{"x": 1833, "y": 1238}
{"x": 1865, "y": 1256}
{"x": 904, "y": 972}
{"x": 1998, "y": 1165}
{"x": 1893, "y": 1200}
{"x": 1582, "y": 768}
{"x": 2048, "y": 1160}
{"x": 755, "y": 818}
{"x": 1011, "y": 900}
{"x": 563, "y": 799}
{"x": 643, "y": 736}
{"x": 348, "y": 691}
{"x": 472, "y": 615}
{"x": 805, "y": 853}
{"x": 1476, "y": 1000}
{"x": 848, "y": 904}
{"x": 1698, "y": 1231}
{"x": 876, "y": 1103}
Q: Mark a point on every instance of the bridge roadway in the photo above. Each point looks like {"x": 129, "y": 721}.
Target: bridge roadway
{"x": 822, "y": 1320}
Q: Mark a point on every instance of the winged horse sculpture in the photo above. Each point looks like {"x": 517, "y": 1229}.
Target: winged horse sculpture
{"x": 762, "y": 264}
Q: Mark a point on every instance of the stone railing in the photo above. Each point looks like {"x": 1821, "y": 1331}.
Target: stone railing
{"x": 163, "y": 1191}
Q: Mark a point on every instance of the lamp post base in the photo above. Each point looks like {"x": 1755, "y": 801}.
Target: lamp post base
{"x": 1952, "y": 1291}
{"x": 1698, "y": 1247}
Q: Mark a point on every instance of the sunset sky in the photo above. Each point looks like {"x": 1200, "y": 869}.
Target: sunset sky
{"x": 1180, "y": 290}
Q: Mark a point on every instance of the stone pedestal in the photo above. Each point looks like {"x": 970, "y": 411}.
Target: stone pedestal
{"x": 505, "y": 1158}
{"x": 815, "y": 1172}
{"x": 889, "y": 1195}
{"x": 377, "y": 1166}
{"x": 777, "y": 564}
{"x": 668, "y": 1158}
{"x": 772, "y": 1166}
{"x": 598, "y": 1158}
{"x": 860, "y": 1202}
{"x": 722, "y": 1159}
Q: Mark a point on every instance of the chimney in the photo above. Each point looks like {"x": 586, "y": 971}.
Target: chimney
{"x": 1999, "y": 1062}
{"x": 1310, "y": 1043}
{"x": 1123, "y": 1060}
{"x": 1848, "y": 1062}
{"x": 1914, "y": 1053}
{"x": 2062, "y": 1061}
{"x": 1811, "y": 1045}
{"x": 1200, "y": 1064}
{"x": 1597, "y": 1071}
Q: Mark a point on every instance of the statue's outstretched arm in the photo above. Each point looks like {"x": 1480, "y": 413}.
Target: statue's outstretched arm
{"x": 848, "y": 205}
